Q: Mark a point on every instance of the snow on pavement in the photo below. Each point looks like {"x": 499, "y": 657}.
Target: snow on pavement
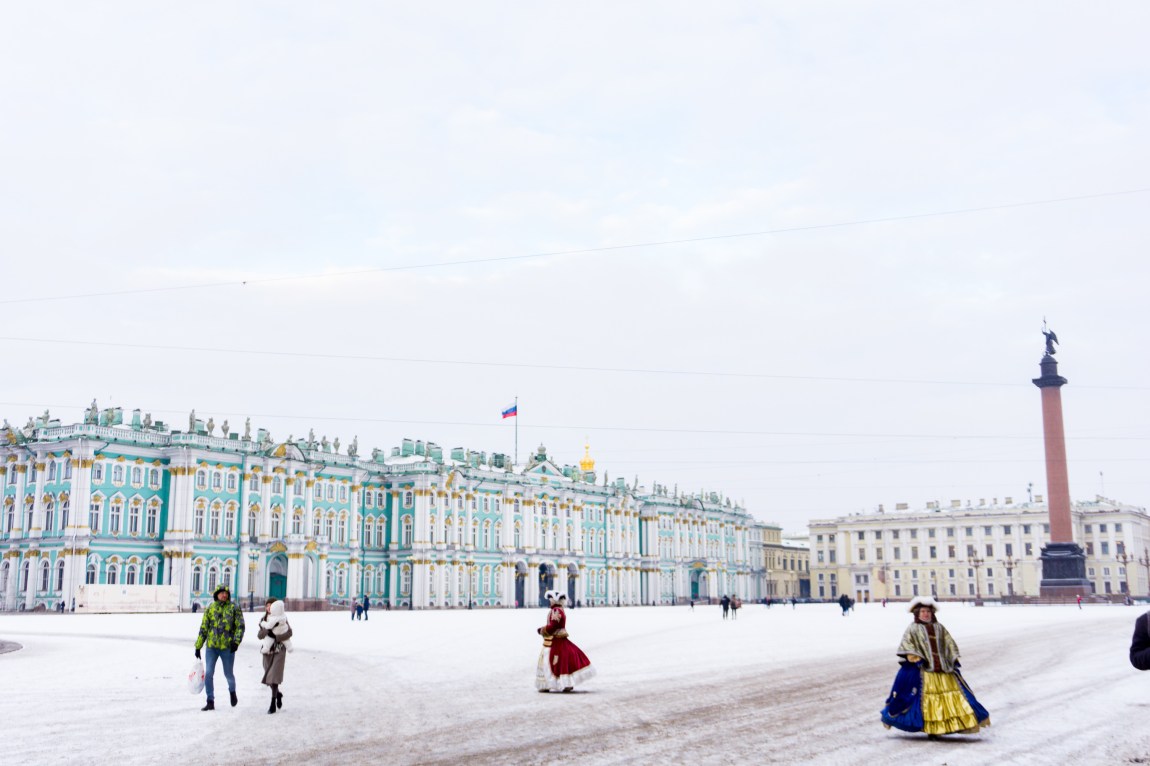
{"x": 774, "y": 686}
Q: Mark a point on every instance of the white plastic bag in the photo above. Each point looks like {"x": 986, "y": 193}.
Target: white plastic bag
{"x": 196, "y": 677}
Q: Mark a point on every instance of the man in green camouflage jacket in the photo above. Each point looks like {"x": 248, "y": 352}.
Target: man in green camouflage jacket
{"x": 222, "y": 630}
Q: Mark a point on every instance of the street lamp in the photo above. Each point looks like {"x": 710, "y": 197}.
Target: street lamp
{"x": 1124, "y": 559}
{"x": 470, "y": 575}
{"x": 977, "y": 563}
{"x": 1145, "y": 561}
{"x": 1010, "y": 564}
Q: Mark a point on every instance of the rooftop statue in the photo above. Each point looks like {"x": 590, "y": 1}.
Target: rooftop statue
{"x": 192, "y": 422}
{"x": 225, "y": 428}
{"x": 247, "y": 429}
{"x": 335, "y": 445}
{"x": 1051, "y": 339}
{"x": 353, "y": 448}
{"x": 211, "y": 425}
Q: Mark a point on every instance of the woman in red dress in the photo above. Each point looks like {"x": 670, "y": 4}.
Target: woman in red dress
{"x": 562, "y": 665}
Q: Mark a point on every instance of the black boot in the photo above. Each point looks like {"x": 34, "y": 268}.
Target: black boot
{"x": 272, "y": 707}
{"x": 235, "y": 699}
{"x": 279, "y": 699}
{"x": 210, "y": 706}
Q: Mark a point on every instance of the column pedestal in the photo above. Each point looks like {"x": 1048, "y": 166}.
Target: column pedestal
{"x": 1064, "y": 571}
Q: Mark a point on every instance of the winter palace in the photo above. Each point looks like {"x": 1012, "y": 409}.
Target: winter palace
{"x": 109, "y": 502}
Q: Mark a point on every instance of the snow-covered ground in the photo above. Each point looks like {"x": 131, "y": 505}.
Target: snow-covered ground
{"x": 782, "y": 685}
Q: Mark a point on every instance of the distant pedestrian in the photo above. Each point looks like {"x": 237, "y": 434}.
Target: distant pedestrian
{"x": 794, "y": 601}
{"x": 692, "y": 605}
{"x": 884, "y": 603}
{"x": 276, "y": 634}
{"x": 845, "y": 603}
{"x": 768, "y": 603}
{"x": 354, "y": 605}
{"x": 736, "y": 604}
{"x": 359, "y": 610}
{"x": 366, "y": 606}
{"x": 221, "y": 631}
{"x": 726, "y": 604}
{"x": 1079, "y": 601}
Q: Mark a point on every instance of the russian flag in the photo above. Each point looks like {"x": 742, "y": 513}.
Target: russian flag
{"x": 510, "y": 411}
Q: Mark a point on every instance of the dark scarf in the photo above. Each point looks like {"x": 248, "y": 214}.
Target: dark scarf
{"x": 932, "y": 640}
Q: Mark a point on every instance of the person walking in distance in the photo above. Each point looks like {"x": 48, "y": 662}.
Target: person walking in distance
{"x": 221, "y": 631}
{"x": 736, "y": 602}
{"x": 725, "y": 602}
{"x": 845, "y": 603}
{"x": 275, "y": 643}
{"x": 366, "y": 606}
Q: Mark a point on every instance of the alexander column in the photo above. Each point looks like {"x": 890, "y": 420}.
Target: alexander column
{"x": 1063, "y": 562}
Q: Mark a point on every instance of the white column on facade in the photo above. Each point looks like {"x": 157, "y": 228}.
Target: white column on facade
{"x": 18, "y": 531}
{"x": 309, "y": 505}
{"x": 356, "y": 584}
{"x": 37, "y": 530}
{"x": 265, "y": 517}
{"x": 507, "y": 543}
{"x": 469, "y": 518}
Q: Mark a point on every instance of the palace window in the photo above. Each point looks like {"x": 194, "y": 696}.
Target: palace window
{"x": 137, "y": 476}
{"x": 230, "y": 521}
{"x": 153, "y": 518}
{"x": 118, "y": 475}
{"x": 134, "y": 514}
{"x": 214, "y": 528}
{"x": 115, "y": 516}
{"x": 201, "y": 480}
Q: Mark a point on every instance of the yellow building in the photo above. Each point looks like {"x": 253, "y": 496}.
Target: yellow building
{"x": 968, "y": 551}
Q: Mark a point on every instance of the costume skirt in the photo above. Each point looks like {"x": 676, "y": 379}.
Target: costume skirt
{"x": 934, "y": 703}
{"x": 561, "y": 665}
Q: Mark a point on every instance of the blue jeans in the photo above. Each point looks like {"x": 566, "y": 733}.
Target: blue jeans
{"x": 228, "y": 659}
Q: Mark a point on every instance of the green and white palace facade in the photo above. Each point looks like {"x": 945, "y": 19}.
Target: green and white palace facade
{"x": 104, "y": 502}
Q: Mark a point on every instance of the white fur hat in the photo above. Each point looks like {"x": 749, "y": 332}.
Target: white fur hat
{"x": 923, "y": 601}
{"x": 554, "y": 595}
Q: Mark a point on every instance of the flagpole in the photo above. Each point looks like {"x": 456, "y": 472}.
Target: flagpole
{"x": 516, "y": 431}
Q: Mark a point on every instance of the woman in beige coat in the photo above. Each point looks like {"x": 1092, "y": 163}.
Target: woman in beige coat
{"x": 275, "y": 634}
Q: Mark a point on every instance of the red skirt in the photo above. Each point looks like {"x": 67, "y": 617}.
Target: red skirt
{"x": 562, "y": 665}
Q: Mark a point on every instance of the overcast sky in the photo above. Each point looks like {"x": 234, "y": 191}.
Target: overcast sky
{"x": 417, "y": 169}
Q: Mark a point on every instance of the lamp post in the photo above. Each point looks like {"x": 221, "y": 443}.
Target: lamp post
{"x": 470, "y": 575}
{"x": 1124, "y": 559}
{"x": 1010, "y": 564}
{"x": 1144, "y": 560}
{"x": 977, "y": 563}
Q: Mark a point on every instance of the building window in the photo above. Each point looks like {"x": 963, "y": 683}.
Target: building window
{"x": 114, "y": 517}
{"x": 134, "y": 517}
{"x": 153, "y": 518}
{"x": 1105, "y": 548}
{"x": 1102, "y": 528}
{"x": 989, "y": 549}
{"x": 1029, "y": 548}
{"x": 201, "y": 480}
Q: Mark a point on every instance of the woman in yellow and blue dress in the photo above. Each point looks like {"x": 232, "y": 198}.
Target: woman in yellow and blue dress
{"x": 929, "y": 692}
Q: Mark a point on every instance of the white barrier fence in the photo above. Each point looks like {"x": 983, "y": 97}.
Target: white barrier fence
{"x": 120, "y": 599}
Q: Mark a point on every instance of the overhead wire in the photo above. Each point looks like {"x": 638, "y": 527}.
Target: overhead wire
{"x": 576, "y": 251}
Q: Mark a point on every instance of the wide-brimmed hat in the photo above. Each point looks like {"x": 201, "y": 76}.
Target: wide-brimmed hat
{"x": 923, "y": 601}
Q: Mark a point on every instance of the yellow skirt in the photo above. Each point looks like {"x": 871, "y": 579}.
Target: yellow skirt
{"x": 944, "y": 707}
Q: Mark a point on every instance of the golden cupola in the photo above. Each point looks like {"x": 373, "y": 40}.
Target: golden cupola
{"x": 587, "y": 464}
